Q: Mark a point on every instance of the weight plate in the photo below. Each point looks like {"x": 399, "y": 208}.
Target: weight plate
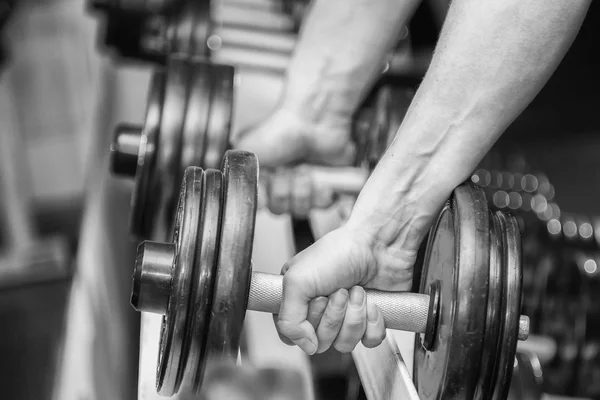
{"x": 173, "y": 330}
{"x": 180, "y": 28}
{"x": 234, "y": 266}
{"x": 195, "y": 133}
{"x": 138, "y": 224}
{"x": 204, "y": 270}
{"x": 188, "y": 29}
{"x": 202, "y": 28}
{"x": 491, "y": 345}
{"x": 458, "y": 258}
{"x": 511, "y": 299}
{"x": 221, "y": 114}
{"x": 161, "y": 198}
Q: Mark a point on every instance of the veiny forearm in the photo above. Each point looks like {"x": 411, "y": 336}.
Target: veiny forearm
{"x": 492, "y": 59}
{"x": 341, "y": 51}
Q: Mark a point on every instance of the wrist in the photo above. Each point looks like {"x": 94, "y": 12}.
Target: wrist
{"x": 399, "y": 203}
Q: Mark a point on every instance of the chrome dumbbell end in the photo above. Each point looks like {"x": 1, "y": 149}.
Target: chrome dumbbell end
{"x": 151, "y": 283}
{"x": 124, "y": 150}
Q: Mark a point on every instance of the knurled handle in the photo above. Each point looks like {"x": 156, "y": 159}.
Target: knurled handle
{"x": 403, "y": 311}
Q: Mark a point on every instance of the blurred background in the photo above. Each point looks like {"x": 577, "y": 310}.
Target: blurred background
{"x": 66, "y": 254}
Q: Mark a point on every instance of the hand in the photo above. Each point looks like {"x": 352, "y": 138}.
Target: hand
{"x": 324, "y": 302}
{"x": 285, "y": 138}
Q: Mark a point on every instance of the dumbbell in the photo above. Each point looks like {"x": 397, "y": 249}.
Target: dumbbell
{"x": 188, "y": 123}
{"x": 238, "y": 34}
{"x": 195, "y": 28}
{"x": 202, "y": 283}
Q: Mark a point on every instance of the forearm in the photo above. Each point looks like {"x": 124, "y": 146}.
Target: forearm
{"x": 492, "y": 59}
{"x": 341, "y": 51}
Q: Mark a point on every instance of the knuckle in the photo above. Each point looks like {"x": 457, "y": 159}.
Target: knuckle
{"x": 330, "y": 323}
{"x": 285, "y": 328}
{"x": 291, "y": 279}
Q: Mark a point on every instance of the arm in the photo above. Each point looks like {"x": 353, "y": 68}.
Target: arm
{"x": 340, "y": 53}
{"x": 492, "y": 59}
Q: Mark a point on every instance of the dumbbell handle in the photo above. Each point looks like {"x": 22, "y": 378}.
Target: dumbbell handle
{"x": 341, "y": 180}
{"x": 403, "y": 311}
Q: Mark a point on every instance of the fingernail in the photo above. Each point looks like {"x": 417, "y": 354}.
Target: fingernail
{"x": 372, "y": 313}
{"x": 309, "y": 347}
{"x": 357, "y": 295}
{"x": 340, "y": 298}
{"x": 321, "y": 302}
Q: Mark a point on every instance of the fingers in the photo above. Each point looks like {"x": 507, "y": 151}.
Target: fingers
{"x": 291, "y": 190}
{"x": 301, "y": 193}
{"x": 316, "y": 308}
{"x": 332, "y": 319}
{"x": 279, "y": 189}
{"x": 293, "y": 315}
{"x": 375, "y": 329}
{"x": 354, "y": 323}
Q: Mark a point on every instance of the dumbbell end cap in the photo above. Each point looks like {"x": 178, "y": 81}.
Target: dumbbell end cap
{"x": 124, "y": 150}
{"x": 151, "y": 283}
{"x": 523, "y": 327}
{"x": 428, "y": 338}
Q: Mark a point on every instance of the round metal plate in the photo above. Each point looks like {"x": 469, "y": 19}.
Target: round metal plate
{"x": 232, "y": 282}
{"x": 221, "y": 114}
{"x": 195, "y": 134}
{"x": 146, "y": 156}
{"x": 491, "y": 345}
{"x": 161, "y": 197}
{"x": 173, "y": 330}
{"x": 511, "y": 303}
{"x": 204, "y": 274}
{"x": 458, "y": 257}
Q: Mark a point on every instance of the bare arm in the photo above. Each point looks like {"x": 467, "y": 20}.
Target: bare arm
{"x": 340, "y": 53}
{"x": 492, "y": 59}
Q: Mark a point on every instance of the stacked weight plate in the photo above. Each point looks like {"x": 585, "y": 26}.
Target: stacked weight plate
{"x": 188, "y": 122}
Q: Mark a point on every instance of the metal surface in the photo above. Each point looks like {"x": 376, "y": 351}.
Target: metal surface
{"x": 383, "y": 373}
{"x": 140, "y": 202}
{"x": 185, "y": 236}
{"x": 401, "y": 310}
{"x": 459, "y": 258}
{"x": 163, "y": 186}
{"x": 205, "y": 265}
{"x": 197, "y": 114}
{"x": 234, "y": 268}
{"x": 125, "y": 150}
{"x": 511, "y": 297}
{"x": 152, "y": 284}
{"x": 188, "y": 123}
{"x": 491, "y": 342}
{"x": 527, "y": 377}
{"x": 221, "y": 115}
